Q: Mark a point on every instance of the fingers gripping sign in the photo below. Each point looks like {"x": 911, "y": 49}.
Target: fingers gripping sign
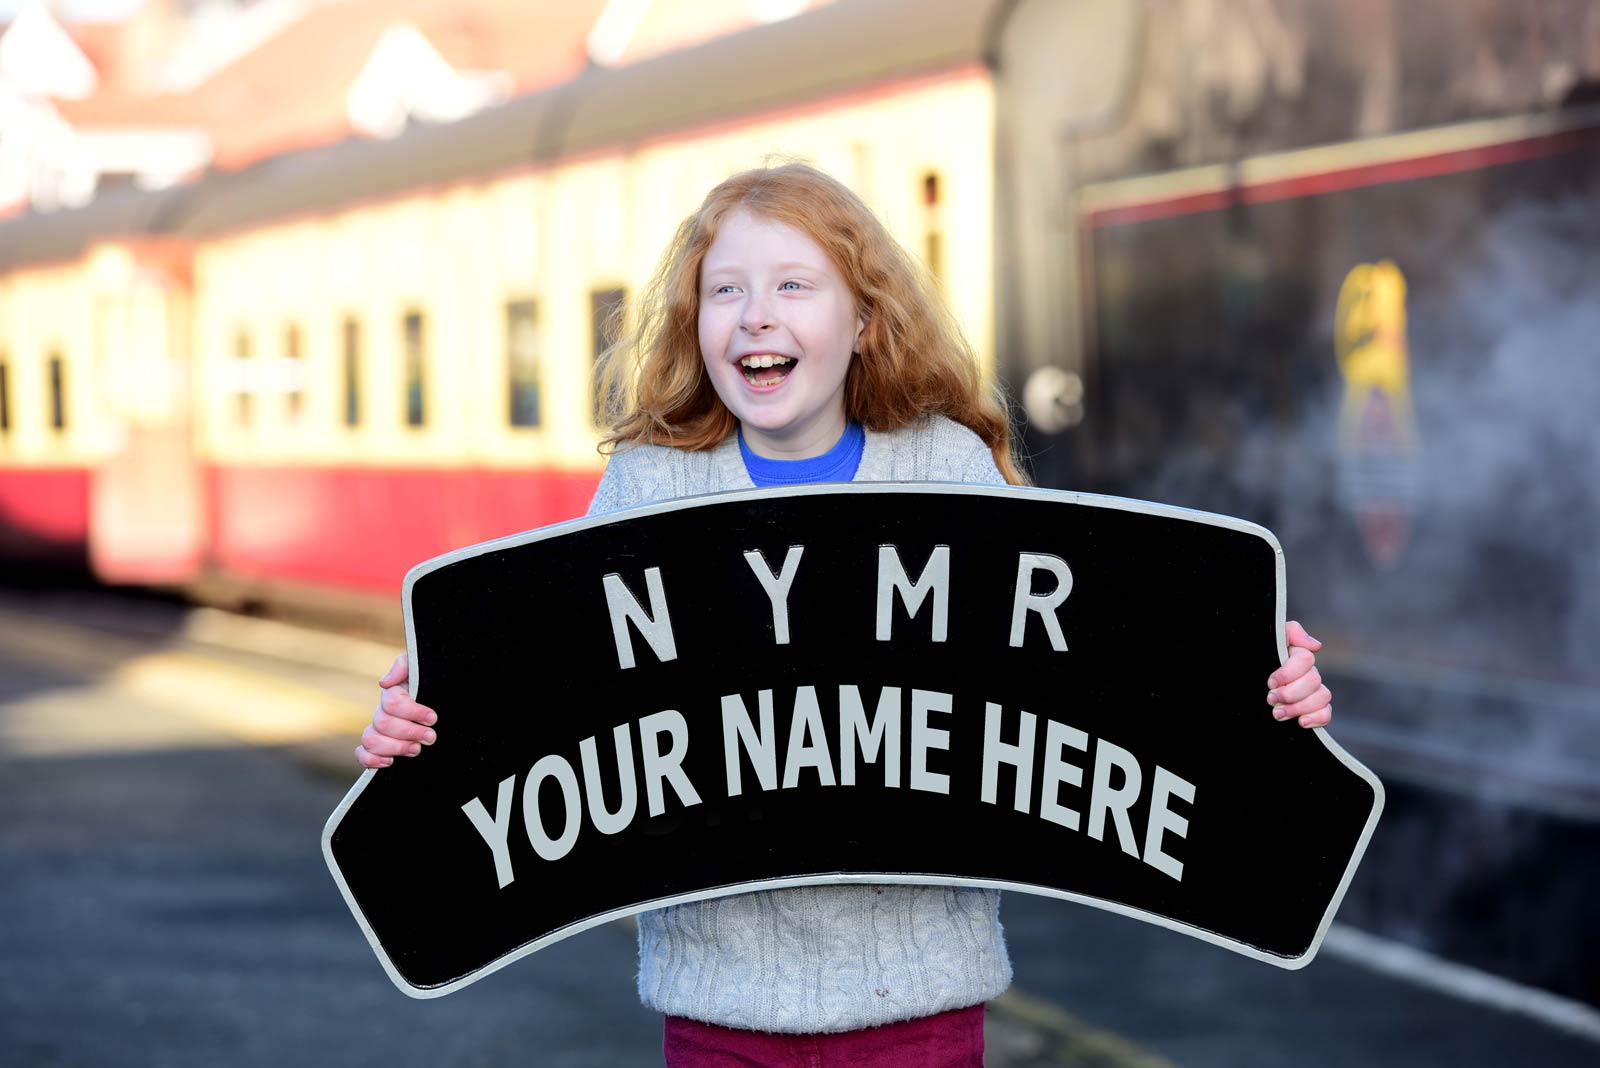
{"x": 1296, "y": 689}
{"x": 400, "y": 726}
{"x": 399, "y": 672}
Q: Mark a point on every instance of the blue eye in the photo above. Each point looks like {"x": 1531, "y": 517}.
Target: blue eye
{"x": 720, "y": 288}
{"x": 791, "y": 282}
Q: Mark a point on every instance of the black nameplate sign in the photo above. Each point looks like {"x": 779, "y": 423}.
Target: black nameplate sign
{"x": 986, "y": 686}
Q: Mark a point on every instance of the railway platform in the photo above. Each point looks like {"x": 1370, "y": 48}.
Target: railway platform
{"x": 166, "y": 771}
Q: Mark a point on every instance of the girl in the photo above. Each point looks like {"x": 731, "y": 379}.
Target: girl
{"x": 786, "y": 339}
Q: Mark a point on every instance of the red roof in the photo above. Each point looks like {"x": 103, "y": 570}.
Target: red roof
{"x": 289, "y": 92}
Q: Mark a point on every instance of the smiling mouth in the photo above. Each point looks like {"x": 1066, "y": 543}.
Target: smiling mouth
{"x": 766, "y": 369}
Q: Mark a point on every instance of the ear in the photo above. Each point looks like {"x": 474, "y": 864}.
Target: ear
{"x": 861, "y": 324}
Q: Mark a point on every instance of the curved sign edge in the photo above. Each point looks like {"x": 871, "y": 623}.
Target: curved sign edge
{"x": 1125, "y": 504}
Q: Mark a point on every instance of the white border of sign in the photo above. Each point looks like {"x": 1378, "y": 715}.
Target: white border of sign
{"x": 1090, "y": 499}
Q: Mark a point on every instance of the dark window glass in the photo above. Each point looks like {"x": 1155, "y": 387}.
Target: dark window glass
{"x": 522, "y": 361}
{"x": 58, "y": 393}
{"x": 5, "y": 400}
{"x": 241, "y": 352}
{"x": 602, "y": 303}
{"x": 352, "y": 372}
{"x": 296, "y": 389}
{"x": 416, "y": 412}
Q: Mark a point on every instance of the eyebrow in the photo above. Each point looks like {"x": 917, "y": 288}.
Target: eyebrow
{"x": 788, "y": 266}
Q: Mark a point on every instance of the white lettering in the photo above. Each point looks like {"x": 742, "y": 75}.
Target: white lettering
{"x": 1025, "y": 600}
{"x": 1103, "y": 798}
{"x": 777, "y": 587}
{"x": 924, "y": 737}
{"x": 808, "y": 742}
{"x": 594, "y": 789}
{"x": 892, "y": 579}
{"x": 759, "y": 745}
{"x": 996, "y": 752}
{"x": 1057, "y": 771}
{"x": 554, "y": 767}
{"x": 655, "y": 626}
{"x": 1162, "y": 819}
{"x": 884, "y": 732}
{"x": 668, "y": 766}
{"x": 495, "y": 829}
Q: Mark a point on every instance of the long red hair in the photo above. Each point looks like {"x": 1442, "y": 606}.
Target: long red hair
{"x": 912, "y": 360}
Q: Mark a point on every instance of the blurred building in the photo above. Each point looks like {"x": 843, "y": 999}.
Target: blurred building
{"x": 182, "y": 87}
{"x": 186, "y": 85}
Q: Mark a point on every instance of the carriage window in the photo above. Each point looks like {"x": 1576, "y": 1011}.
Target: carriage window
{"x": 241, "y": 354}
{"x": 522, "y": 361}
{"x": 933, "y": 239}
{"x": 294, "y": 372}
{"x": 5, "y": 399}
{"x": 415, "y": 343}
{"x": 602, "y": 302}
{"x": 58, "y": 393}
{"x": 351, "y": 356}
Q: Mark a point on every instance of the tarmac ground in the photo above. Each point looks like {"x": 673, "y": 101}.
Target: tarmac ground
{"x": 164, "y": 777}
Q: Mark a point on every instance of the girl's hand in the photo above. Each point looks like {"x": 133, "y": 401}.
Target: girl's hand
{"x": 1296, "y": 688}
{"x": 400, "y": 726}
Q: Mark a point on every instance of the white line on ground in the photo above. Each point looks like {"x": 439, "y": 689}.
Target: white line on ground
{"x": 1424, "y": 969}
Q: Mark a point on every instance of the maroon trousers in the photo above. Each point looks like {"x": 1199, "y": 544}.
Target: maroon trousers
{"x": 951, "y": 1039}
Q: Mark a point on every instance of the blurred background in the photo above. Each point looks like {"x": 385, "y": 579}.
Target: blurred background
{"x": 295, "y": 294}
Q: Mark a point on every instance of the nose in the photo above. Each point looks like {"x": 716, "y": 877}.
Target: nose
{"x": 755, "y": 318}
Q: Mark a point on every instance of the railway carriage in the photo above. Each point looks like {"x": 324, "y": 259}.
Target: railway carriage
{"x": 389, "y": 347}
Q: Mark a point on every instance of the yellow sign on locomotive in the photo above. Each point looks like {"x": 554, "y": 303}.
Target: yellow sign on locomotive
{"x": 1377, "y": 428}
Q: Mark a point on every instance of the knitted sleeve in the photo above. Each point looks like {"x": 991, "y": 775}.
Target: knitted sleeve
{"x": 981, "y": 468}
{"x": 633, "y": 476}
{"x": 960, "y": 455}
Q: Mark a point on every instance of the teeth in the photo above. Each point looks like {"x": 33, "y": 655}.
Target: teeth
{"x": 765, "y": 360}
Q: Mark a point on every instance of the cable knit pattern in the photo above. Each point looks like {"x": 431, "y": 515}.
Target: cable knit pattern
{"x": 816, "y": 959}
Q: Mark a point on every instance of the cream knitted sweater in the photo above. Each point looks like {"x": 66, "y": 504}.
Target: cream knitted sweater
{"x": 813, "y": 959}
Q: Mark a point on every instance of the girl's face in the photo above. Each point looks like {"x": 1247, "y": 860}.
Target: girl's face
{"x": 777, "y": 327}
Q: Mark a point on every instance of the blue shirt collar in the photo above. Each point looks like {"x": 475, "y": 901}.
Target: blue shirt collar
{"x": 838, "y": 464}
